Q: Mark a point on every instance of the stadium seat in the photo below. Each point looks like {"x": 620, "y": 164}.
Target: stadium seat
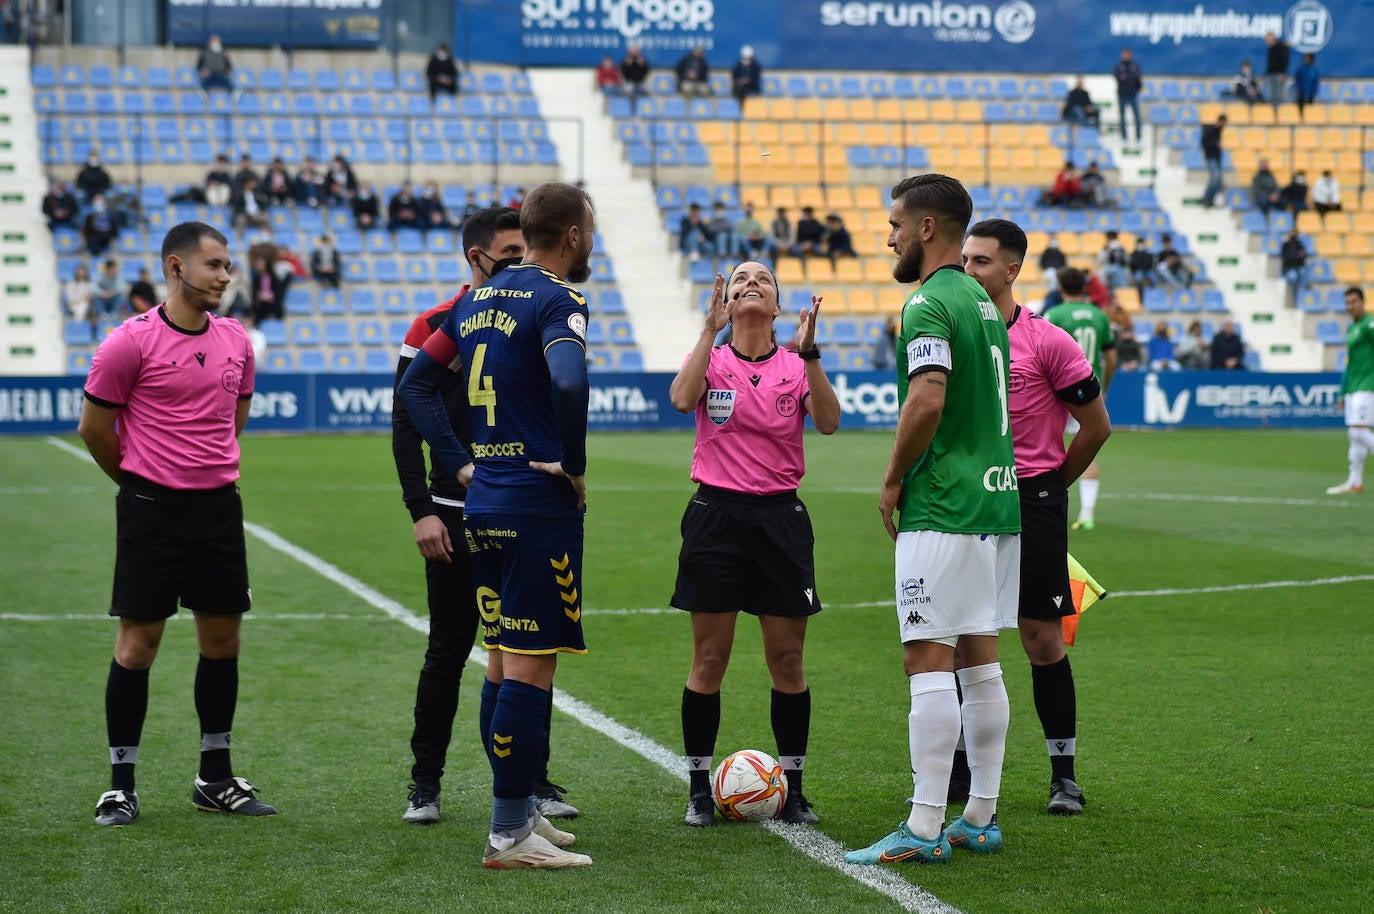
{"x": 362, "y": 301}
{"x": 279, "y": 361}
{"x": 378, "y": 361}
{"x": 312, "y": 361}
{"x": 1330, "y": 333}
{"x": 330, "y": 302}
{"x": 395, "y": 301}
{"x": 338, "y": 333}
{"x": 630, "y": 360}
{"x": 305, "y": 333}
{"x": 424, "y": 299}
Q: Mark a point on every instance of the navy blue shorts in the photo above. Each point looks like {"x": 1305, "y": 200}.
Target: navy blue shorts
{"x": 528, "y": 575}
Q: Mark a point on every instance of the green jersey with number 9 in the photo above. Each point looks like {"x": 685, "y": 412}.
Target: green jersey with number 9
{"x": 1089, "y": 325}
{"x": 965, "y": 482}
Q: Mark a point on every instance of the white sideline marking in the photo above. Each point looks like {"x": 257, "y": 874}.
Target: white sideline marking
{"x": 810, "y": 842}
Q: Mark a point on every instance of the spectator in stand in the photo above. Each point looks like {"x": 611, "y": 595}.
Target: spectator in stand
{"x": 635, "y": 69}
{"x": 810, "y": 235}
{"x": 93, "y": 178}
{"x": 1079, "y": 107}
{"x": 1128, "y": 84}
{"x": 219, "y": 183}
{"x": 747, "y": 78}
{"x": 885, "y": 346}
{"x": 694, "y": 73}
{"x": 1306, "y": 81}
{"x": 1052, "y": 260}
{"x": 100, "y": 228}
{"x": 310, "y": 186}
{"x": 277, "y": 184}
{"x": 1294, "y": 194}
{"x": 60, "y": 205}
{"x": 780, "y": 232}
{"x": 340, "y": 182}
{"x": 837, "y": 240}
{"x": 245, "y": 172}
{"x": 1326, "y": 195}
{"x": 250, "y": 207}
{"x": 1067, "y": 189}
{"x": 752, "y": 242}
{"x": 1293, "y": 265}
{"x": 1094, "y": 185}
{"x": 1192, "y": 352}
{"x": 76, "y": 295}
{"x": 1094, "y": 290}
{"x": 404, "y": 210}
{"x": 267, "y": 286}
{"x": 608, "y": 78}
{"x": 1127, "y": 347}
{"x": 366, "y": 209}
{"x": 1173, "y": 270}
{"x": 1228, "y": 351}
{"x": 1113, "y": 263}
{"x": 441, "y": 72}
{"x": 433, "y": 215}
{"x": 214, "y": 67}
{"x": 108, "y": 293}
{"x": 1247, "y": 85}
{"x": 1160, "y": 349}
{"x": 720, "y": 230}
{"x": 1142, "y": 266}
{"x": 517, "y": 199}
{"x": 325, "y": 264}
{"x": 693, "y": 237}
{"x": 142, "y": 293}
{"x": 1264, "y": 189}
{"x": 1276, "y": 59}
{"x": 1211, "y": 152}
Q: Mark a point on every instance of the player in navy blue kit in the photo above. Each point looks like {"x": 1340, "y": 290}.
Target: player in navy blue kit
{"x": 518, "y": 342}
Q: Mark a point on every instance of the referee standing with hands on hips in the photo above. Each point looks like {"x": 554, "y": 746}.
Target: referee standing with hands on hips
{"x": 167, "y": 396}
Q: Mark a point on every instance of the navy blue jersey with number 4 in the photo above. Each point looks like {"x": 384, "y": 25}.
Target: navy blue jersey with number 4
{"x": 502, "y": 331}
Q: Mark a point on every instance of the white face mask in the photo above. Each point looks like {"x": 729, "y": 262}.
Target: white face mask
{"x": 216, "y": 46}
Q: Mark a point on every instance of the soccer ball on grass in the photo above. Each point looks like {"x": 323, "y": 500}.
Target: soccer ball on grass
{"x": 749, "y": 786}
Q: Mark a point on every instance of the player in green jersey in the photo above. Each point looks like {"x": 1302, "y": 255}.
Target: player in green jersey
{"x": 1357, "y": 390}
{"x": 952, "y": 481}
{"x": 1090, "y": 326}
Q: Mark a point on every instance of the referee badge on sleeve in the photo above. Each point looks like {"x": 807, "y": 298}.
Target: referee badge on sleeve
{"x": 719, "y": 405}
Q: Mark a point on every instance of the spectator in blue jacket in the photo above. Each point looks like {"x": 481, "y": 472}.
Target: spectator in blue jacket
{"x": 1306, "y": 82}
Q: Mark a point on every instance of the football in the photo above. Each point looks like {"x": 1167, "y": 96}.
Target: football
{"x": 749, "y": 786}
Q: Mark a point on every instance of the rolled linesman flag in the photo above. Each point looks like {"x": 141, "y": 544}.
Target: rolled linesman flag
{"x": 1085, "y": 592}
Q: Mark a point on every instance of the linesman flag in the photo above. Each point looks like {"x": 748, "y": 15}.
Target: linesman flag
{"x": 1085, "y": 592}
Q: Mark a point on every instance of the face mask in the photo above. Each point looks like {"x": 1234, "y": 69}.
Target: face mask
{"x": 498, "y": 265}
{"x": 99, "y": 207}
{"x": 216, "y": 46}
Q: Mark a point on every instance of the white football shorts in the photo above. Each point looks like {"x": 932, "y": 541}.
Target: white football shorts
{"x": 951, "y": 584}
{"x": 1359, "y": 408}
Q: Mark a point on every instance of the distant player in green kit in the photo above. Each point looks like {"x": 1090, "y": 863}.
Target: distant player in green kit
{"x": 1357, "y": 390}
{"x": 1090, "y": 326}
{"x": 952, "y": 481}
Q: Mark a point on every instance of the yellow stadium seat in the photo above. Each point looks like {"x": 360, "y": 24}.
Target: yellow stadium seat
{"x": 862, "y": 109}
{"x": 888, "y": 110}
{"x": 941, "y": 110}
{"x": 863, "y": 300}
{"x": 845, "y": 134}
{"x": 840, "y": 198}
{"x": 1348, "y": 271}
{"x": 848, "y": 269}
{"x": 929, "y": 135}
{"x": 1329, "y": 245}
{"x": 1309, "y": 222}
{"x": 818, "y": 269}
{"x": 782, "y": 109}
{"x": 813, "y": 197}
{"x": 790, "y": 270}
{"x": 835, "y": 297}
{"x": 1357, "y": 244}
{"x": 916, "y": 109}
{"x": 1338, "y": 223}
{"x": 878, "y": 269}
{"x": 1262, "y": 114}
{"x": 867, "y": 196}
{"x": 835, "y": 109}
{"x": 1070, "y": 243}
{"x": 1306, "y": 138}
{"x": 969, "y": 112}
{"x": 1128, "y": 298}
{"x": 808, "y": 109}
{"x": 1344, "y": 114}
{"x": 711, "y": 132}
{"x": 1317, "y": 114}
{"x": 782, "y": 195}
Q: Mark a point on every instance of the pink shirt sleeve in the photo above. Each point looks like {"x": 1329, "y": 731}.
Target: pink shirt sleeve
{"x": 114, "y": 369}
{"x": 250, "y": 369}
{"x": 1065, "y": 364}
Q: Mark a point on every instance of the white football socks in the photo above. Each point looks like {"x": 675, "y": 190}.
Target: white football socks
{"x": 932, "y": 732}
{"x": 1087, "y": 498}
{"x": 986, "y": 713}
{"x": 1361, "y": 443}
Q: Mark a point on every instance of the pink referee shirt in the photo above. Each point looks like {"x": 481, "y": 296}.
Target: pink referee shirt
{"x": 177, "y": 392}
{"x": 1044, "y": 359}
{"x": 749, "y": 423}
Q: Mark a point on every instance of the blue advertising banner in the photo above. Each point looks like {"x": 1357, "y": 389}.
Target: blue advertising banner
{"x": 289, "y": 23}
{"x": 639, "y": 402}
{"x": 1180, "y": 37}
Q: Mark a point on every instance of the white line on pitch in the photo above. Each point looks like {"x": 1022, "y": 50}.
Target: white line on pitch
{"x": 809, "y": 841}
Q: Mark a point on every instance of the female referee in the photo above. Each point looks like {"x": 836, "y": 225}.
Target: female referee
{"x": 746, "y": 537}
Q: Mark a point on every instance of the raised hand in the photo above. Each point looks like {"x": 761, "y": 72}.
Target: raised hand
{"x": 718, "y": 314}
{"x": 806, "y": 331}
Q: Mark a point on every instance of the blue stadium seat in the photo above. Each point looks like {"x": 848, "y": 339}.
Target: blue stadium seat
{"x": 279, "y": 361}
{"x": 362, "y": 301}
{"x": 370, "y": 333}
{"x": 1156, "y": 301}
{"x": 612, "y": 302}
{"x": 312, "y": 362}
{"x": 338, "y": 333}
{"x": 386, "y": 270}
{"x": 630, "y": 360}
{"x": 305, "y": 333}
{"x": 449, "y": 274}
{"x": 1330, "y": 333}
{"x": 1310, "y": 302}
{"x": 343, "y": 360}
{"x": 621, "y": 332}
{"x": 78, "y": 362}
{"x": 1213, "y": 301}
{"x": 596, "y": 333}
{"x": 330, "y": 302}
{"x": 77, "y": 333}
{"x": 394, "y": 301}
{"x": 600, "y": 360}
{"x": 378, "y": 361}
{"x": 845, "y": 332}
{"x": 300, "y": 302}
{"x": 418, "y": 270}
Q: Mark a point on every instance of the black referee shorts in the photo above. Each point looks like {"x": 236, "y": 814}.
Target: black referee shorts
{"x": 753, "y": 553}
{"x": 1044, "y": 548}
{"x": 178, "y": 545}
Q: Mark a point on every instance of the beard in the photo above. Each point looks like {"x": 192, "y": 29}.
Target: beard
{"x": 580, "y": 272}
{"x": 909, "y": 264}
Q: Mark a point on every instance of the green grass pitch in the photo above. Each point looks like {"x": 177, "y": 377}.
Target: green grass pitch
{"x": 1224, "y": 735}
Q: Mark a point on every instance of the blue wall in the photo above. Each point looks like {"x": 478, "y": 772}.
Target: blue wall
{"x": 634, "y": 402}
{"x": 1167, "y": 36}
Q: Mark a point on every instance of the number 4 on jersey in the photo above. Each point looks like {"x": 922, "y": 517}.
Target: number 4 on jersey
{"x": 482, "y": 388}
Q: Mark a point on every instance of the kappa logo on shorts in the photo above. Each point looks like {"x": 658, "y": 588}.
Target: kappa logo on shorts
{"x": 720, "y": 405}
{"x": 915, "y": 618}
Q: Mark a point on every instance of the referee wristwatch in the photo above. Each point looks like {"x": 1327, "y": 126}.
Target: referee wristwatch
{"x": 809, "y": 355}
